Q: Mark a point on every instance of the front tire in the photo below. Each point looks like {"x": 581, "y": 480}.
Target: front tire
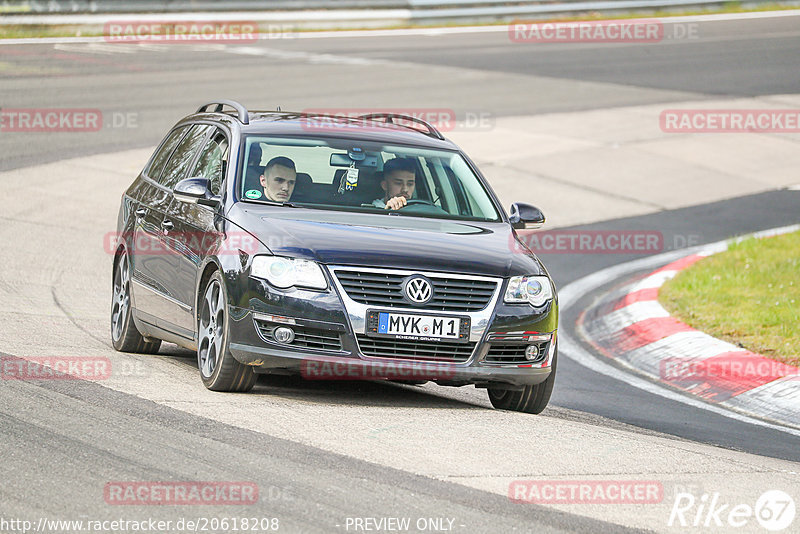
{"x": 219, "y": 370}
{"x": 124, "y": 335}
{"x": 531, "y": 399}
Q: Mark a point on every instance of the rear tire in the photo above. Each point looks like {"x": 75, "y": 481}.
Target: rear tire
{"x": 531, "y": 399}
{"x": 124, "y": 335}
{"x": 219, "y": 370}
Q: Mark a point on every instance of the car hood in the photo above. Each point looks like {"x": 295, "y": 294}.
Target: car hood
{"x": 377, "y": 240}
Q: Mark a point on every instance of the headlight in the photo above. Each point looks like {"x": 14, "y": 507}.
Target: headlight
{"x": 536, "y": 290}
{"x": 287, "y": 272}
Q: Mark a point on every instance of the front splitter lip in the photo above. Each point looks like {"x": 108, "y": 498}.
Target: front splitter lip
{"x": 319, "y": 366}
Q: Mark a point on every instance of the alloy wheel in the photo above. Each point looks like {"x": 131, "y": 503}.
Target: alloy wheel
{"x": 121, "y": 304}
{"x": 212, "y": 329}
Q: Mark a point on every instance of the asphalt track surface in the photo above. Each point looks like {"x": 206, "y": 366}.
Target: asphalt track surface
{"x": 58, "y": 438}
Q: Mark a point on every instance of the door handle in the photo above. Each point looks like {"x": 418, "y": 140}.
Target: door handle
{"x": 166, "y": 224}
{"x": 141, "y": 212}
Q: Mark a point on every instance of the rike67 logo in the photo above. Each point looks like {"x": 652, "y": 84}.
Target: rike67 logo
{"x": 774, "y": 510}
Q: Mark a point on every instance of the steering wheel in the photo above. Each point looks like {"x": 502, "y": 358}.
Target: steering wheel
{"x": 422, "y": 207}
{"x": 416, "y": 202}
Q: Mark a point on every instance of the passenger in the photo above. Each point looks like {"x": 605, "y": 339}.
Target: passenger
{"x": 278, "y": 179}
{"x": 399, "y": 180}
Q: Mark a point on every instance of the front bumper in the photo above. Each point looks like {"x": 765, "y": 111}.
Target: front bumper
{"x": 328, "y": 329}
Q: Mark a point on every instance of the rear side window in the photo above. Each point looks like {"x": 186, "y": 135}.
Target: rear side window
{"x": 163, "y": 154}
{"x": 213, "y": 160}
{"x": 183, "y": 155}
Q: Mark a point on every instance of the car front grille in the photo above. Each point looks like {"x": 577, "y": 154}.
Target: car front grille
{"x": 514, "y": 352}
{"x": 385, "y": 289}
{"x": 305, "y": 338}
{"x": 442, "y": 351}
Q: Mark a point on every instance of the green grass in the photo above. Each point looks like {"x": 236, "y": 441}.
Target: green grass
{"x": 748, "y": 295}
{"x": 10, "y": 31}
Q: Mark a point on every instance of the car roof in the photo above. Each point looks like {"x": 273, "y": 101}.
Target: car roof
{"x": 298, "y": 124}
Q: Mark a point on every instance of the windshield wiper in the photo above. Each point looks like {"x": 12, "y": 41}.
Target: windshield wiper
{"x": 272, "y": 202}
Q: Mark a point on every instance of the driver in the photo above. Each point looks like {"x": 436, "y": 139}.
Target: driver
{"x": 278, "y": 179}
{"x": 398, "y": 183}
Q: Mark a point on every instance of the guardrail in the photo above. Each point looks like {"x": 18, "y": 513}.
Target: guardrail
{"x": 324, "y": 13}
{"x": 176, "y": 6}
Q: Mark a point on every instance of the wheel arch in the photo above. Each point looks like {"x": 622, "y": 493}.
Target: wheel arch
{"x": 211, "y": 266}
{"x": 119, "y": 251}
{"x": 122, "y": 248}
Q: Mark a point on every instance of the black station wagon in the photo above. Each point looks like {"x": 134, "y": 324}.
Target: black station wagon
{"x": 332, "y": 247}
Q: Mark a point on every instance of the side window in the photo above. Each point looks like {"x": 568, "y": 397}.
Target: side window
{"x": 184, "y": 153}
{"x": 161, "y": 157}
{"x": 213, "y": 161}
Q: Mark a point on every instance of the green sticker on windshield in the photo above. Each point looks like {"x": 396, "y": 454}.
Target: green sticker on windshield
{"x": 253, "y": 193}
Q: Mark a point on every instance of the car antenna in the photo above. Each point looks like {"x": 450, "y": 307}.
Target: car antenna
{"x": 279, "y": 108}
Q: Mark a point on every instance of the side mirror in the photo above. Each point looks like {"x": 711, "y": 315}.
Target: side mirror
{"x": 196, "y": 190}
{"x": 525, "y": 216}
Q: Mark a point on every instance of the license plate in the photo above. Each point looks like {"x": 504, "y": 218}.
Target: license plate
{"x": 417, "y": 326}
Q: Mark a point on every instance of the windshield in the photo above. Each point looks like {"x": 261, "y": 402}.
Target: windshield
{"x": 363, "y": 176}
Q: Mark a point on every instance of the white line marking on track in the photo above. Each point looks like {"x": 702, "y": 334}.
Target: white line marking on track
{"x": 96, "y": 48}
{"x": 297, "y": 55}
{"x": 132, "y": 48}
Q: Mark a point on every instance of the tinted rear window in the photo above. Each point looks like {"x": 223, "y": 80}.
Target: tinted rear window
{"x": 183, "y": 155}
{"x": 156, "y": 167}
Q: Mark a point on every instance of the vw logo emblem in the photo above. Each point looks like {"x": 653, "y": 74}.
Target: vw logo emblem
{"x": 418, "y": 290}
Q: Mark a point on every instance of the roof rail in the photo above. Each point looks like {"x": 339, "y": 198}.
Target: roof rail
{"x": 432, "y": 132}
{"x": 241, "y": 111}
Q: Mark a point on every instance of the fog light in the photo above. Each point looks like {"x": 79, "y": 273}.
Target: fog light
{"x": 283, "y": 334}
{"x": 531, "y": 352}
